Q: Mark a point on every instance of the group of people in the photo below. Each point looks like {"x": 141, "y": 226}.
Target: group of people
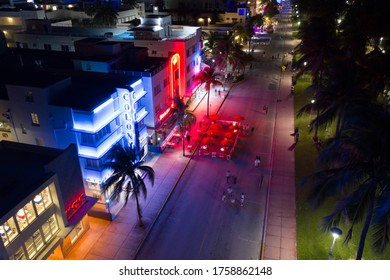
{"x": 229, "y": 195}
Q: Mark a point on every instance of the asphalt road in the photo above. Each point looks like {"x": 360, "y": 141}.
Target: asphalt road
{"x": 196, "y": 223}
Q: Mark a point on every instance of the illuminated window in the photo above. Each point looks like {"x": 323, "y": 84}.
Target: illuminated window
{"x": 75, "y": 233}
{"x": 42, "y": 200}
{"x": 4, "y": 126}
{"x": 18, "y": 255}
{"x": 8, "y": 231}
{"x": 49, "y": 228}
{"x": 34, "y": 119}
{"x": 25, "y": 216}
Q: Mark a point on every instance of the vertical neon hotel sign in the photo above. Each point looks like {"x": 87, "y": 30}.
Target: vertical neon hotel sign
{"x": 175, "y": 83}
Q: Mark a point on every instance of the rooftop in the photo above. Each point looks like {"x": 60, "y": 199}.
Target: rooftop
{"x": 89, "y": 90}
{"x": 22, "y": 170}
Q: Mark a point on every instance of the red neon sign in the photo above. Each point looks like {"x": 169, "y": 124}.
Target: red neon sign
{"x": 75, "y": 205}
{"x": 175, "y": 76}
{"x": 163, "y": 114}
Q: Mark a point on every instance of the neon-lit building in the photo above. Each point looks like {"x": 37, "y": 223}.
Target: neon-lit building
{"x": 93, "y": 111}
{"x": 178, "y": 42}
{"x": 43, "y": 205}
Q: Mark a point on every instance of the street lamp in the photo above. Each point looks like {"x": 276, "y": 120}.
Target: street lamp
{"x": 336, "y": 232}
{"x": 108, "y": 205}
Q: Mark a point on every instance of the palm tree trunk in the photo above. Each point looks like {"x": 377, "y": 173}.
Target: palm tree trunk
{"x": 182, "y": 139}
{"x": 141, "y": 224}
{"x": 208, "y": 103}
{"x": 367, "y": 223}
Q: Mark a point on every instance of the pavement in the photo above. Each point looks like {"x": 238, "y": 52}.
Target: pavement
{"x": 123, "y": 237}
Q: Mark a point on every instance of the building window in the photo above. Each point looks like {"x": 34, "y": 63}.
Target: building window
{"x": 166, "y": 82}
{"x": 64, "y": 48}
{"x": 76, "y": 232}
{"x": 154, "y": 52}
{"x": 34, "y": 119}
{"x": 25, "y": 216}
{"x": 18, "y": 255}
{"x": 188, "y": 52}
{"x": 157, "y": 89}
{"x": 96, "y": 138}
{"x": 8, "y": 231}
{"x": 29, "y": 96}
{"x": 188, "y": 68}
{"x": 4, "y": 126}
{"x": 49, "y": 228}
{"x": 42, "y": 200}
{"x": 47, "y": 47}
{"x": 193, "y": 49}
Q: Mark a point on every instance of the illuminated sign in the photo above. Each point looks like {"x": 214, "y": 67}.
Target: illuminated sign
{"x": 175, "y": 76}
{"x": 75, "y": 204}
{"x": 164, "y": 113}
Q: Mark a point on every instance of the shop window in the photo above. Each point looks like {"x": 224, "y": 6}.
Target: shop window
{"x": 76, "y": 232}
{"x": 31, "y": 248}
{"x": 34, "y": 119}
{"x": 42, "y": 200}
{"x": 18, "y": 255}
{"x": 4, "y": 126}
{"x": 25, "y": 216}
{"x": 49, "y": 228}
{"x": 8, "y": 231}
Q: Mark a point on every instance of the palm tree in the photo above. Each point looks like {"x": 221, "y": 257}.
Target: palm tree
{"x": 229, "y": 54}
{"x": 184, "y": 118}
{"x": 210, "y": 42}
{"x": 105, "y": 15}
{"x": 207, "y": 77}
{"x": 357, "y": 167}
{"x": 128, "y": 176}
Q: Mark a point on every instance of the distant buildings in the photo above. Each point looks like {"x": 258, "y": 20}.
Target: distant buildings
{"x": 43, "y": 205}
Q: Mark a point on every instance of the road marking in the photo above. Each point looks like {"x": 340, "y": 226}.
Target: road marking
{"x": 248, "y": 240}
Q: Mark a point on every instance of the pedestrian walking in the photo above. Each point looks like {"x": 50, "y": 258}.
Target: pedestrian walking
{"x": 242, "y": 199}
{"x": 200, "y": 124}
{"x": 252, "y": 130}
{"x": 219, "y": 93}
{"x": 188, "y": 138}
{"x": 265, "y": 108}
{"x": 228, "y": 174}
{"x": 223, "y": 196}
{"x": 257, "y": 161}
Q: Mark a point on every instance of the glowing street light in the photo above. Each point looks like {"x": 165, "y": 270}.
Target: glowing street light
{"x": 336, "y": 232}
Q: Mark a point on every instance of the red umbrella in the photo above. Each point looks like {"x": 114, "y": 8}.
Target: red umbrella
{"x": 216, "y": 126}
{"x": 227, "y": 142}
{"x": 239, "y": 118}
{"x": 230, "y": 134}
{"x": 214, "y": 117}
{"x": 232, "y": 127}
{"x": 208, "y": 140}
